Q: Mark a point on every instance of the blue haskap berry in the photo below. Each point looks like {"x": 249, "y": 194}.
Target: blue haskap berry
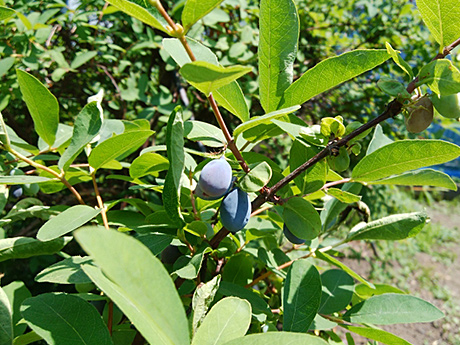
{"x": 291, "y": 237}
{"x": 215, "y": 179}
{"x": 235, "y": 210}
{"x": 16, "y": 191}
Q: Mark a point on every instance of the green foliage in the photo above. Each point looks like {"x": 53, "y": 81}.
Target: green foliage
{"x": 294, "y": 136}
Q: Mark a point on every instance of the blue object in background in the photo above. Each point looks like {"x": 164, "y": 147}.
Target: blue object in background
{"x": 451, "y": 168}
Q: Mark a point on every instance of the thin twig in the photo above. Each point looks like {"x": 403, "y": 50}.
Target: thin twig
{"x": 99, "y": 201}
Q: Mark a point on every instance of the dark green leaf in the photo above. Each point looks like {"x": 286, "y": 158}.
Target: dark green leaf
{"x": 337, "y": 288}
{"x": 6, "y": 12}
{"x": 42, "y": 105}
{"x": 17, "y": 292}
{"x": 65, "y": 319}
{"x": 396, "y": 56}
{"x": 301, "y": 218}
{"x": 192, "y": 268}
{"x": 258, "y": 305}
{"x": 172, "y": 187}
{"x": 239, "y": 269}
{"x": 148, "y": 164}
{"x": 208, "y": 134}
{"x": 279, "y": 36}
{"x": 301, "y": 296}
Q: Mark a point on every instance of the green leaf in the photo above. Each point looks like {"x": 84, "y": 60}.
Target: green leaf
{"x": 365, "y": 292}
{"x": 138, "y": 12}
{"x": 320, "y": 323}
{"x": 424, "y": 177}
{"x": 115, "y": 146}
{"x": 265, "y": 119}
{"x": 64, "y": 319}
{"x": 441, "y": 76}
{"x": 395, "y": 55}
{"x": 391, "y": 228}
{"x": 138, "y": 284}
{"x": 377, "y": 334}
{"x": 208, "y": 77}
{"x": 257, "y": 178}
{"x": 258, "y": 305}
{"x": 343, "y": 196}
{"x": 202, "y": 299}
{"x": 148, "y": 164}
{"x": 301, "y": 296}
{"x": 379, "y": 139}
{"x": 228, "y": 319}
{"x": 26, "y": 247}
{"x": 81, "y": 58}
{"x": 313, "y": 178}
{"x": 67, "y": 221}
{"x": 192, "y": 268}
{"x": 6, "y": 12}
{"x": 389, "y": 309}
{"x": 6, "y": 319}
{"x": 393, "y": 88}
{"x": 239, "y": 269}
{"x": 6, "y": 63}
{"x": 332, "y": 72}
{"x": 279, "y": 36}
{"x": 229, "y": 96}
{"x": 176, "y": 156}
{"x": 87, "y": 126}
{"x": 67, "y": 271}
{"x": 441, "y": 17}
{"x": 17, "y": 292}
{"x": 337, "y": 288}
{"x": 278, "y": 338}
{"x": 27, "y": 338}
{"x": 208, "y": 134}
{"x": 404, "y": 155}
{"x": 23, "y": 179}
{"x": 301, "y": 218}
{"x": 42, "y": 105}
{"x": 335, "y": 262}
{"x": 194, "y": 10}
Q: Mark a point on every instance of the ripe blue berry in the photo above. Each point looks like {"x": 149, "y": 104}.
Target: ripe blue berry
{"x": 291, "y": 237}
{"x": 235, "y": 210}
{"x": 16, "y": 191}
{"x": 215, "y": 179}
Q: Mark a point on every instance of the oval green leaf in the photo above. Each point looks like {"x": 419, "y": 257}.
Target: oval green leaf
{"x": 389, "y": 309}
{"x": 194, "y": 10}
{"x": 23, "y": 179}
{"x": 67, "y": 221}
{"x": 404, "y": 155}
{"x": 114, "y": 147}
{"x": 257, "y": 177}
{"x": 42, "y": 105}
{"x": 301, "y": 296}
{"x": 208, "y": 77}
{"x": 228, "y": 319}
{"x": 301, "y": 218}
{"x": 278, "y": 338}
{"x": 26, "y": 247}
{"x": 391, "y": 228}
{"x": 441, "y": 76}
{"x": 148, "y": 164}
{"x": 67, "y": 271}
{"x": 6, "y": 320}
{"x": 65, "y": 319}
{"x": 337, "y": 286}
{"x": 153, "y": 305}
